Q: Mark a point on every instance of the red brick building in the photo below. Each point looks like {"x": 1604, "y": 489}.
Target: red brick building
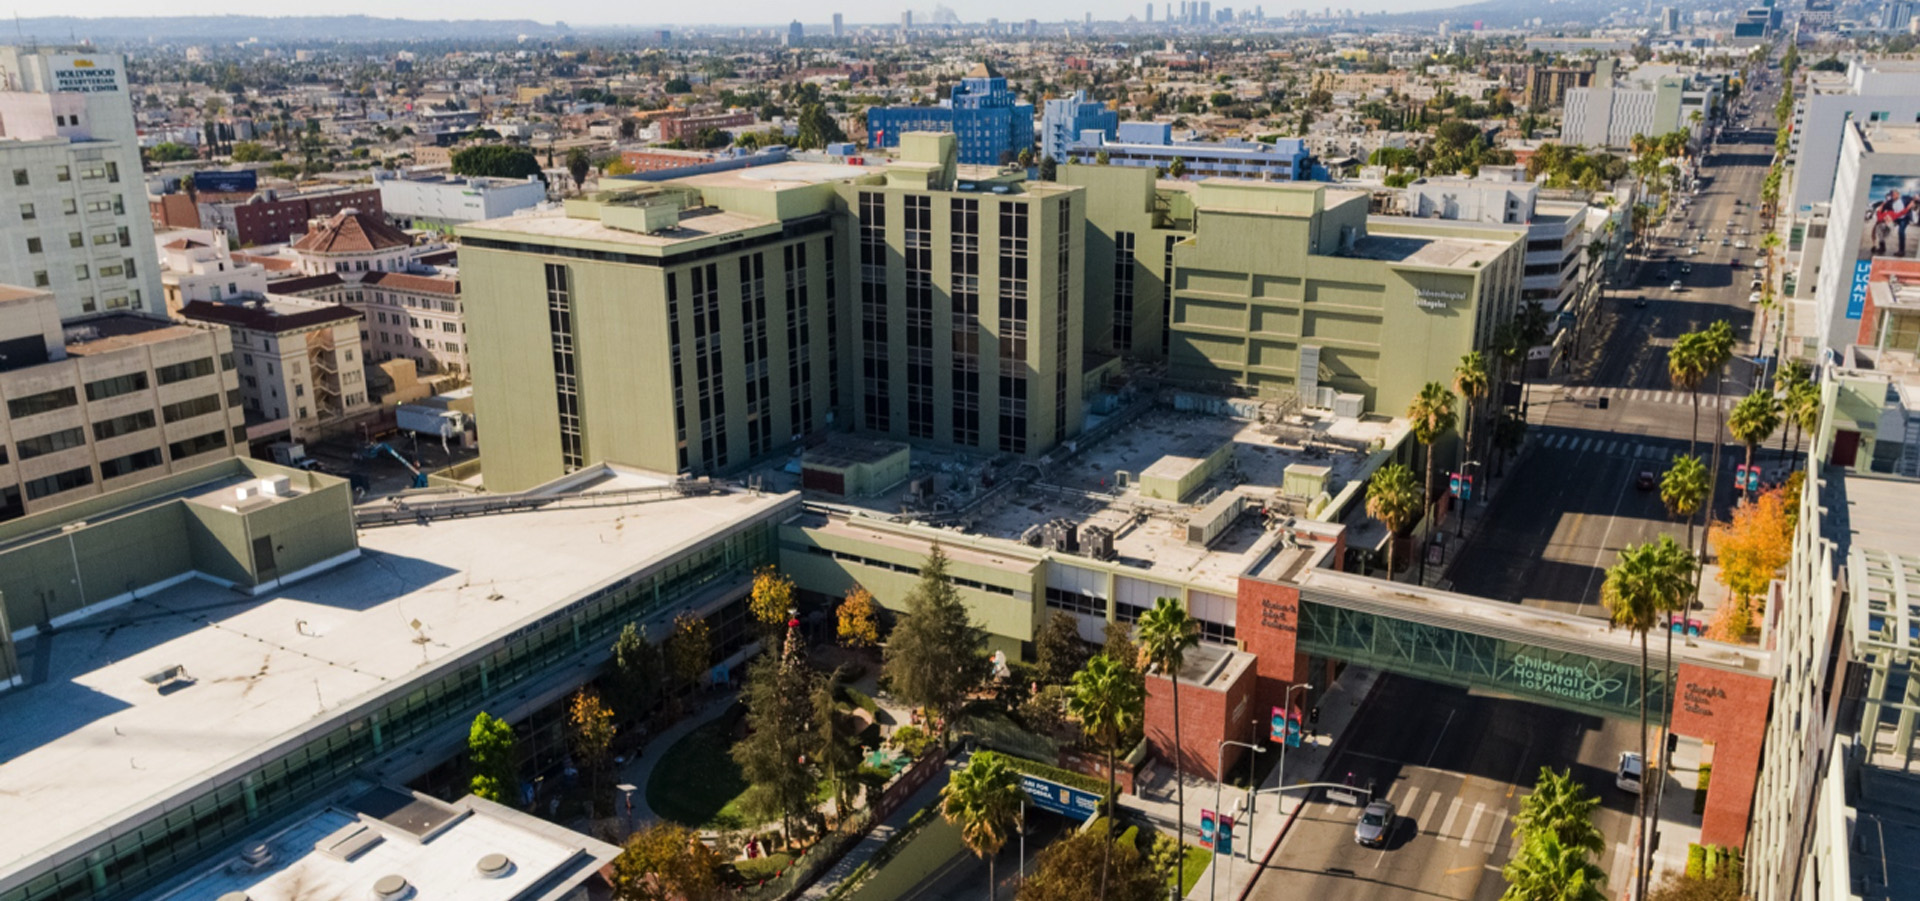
{"x": 688, "y": 126}
{"x": 272, "y": 218}
{"x": 1216, "y": 702}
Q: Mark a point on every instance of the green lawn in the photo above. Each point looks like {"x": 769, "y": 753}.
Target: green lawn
{"x": 696, "y": 783}
{"x": 1191, "y": 868}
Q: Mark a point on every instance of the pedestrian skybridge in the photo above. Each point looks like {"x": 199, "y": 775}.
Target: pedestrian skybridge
{"x": 1564, "y": 660}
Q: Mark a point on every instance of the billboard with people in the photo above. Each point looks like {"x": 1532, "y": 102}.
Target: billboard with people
{"x": 1889, "y": 251}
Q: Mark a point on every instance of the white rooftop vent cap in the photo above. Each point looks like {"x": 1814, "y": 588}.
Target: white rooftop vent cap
{"x": 236, "y": 896}
{"x": 494, "y": 866}
{"x": 392, "y": 888}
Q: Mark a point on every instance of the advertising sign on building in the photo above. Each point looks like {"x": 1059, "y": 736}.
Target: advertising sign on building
{"x": 245, "y": 181}
{"x": 1889, "y": 252}
{"x": 84, "y": 75}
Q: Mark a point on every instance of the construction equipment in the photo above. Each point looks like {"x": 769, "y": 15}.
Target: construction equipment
{"x": 373, "y": 451}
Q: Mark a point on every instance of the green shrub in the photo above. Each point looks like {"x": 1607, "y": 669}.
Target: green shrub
{"x": 859, "y": 699}
{"x": 1053, "y": 773}
{"x": 1696, "y": 861}
{"x": 913, "y": 740}
{"x": 762, "y": 868}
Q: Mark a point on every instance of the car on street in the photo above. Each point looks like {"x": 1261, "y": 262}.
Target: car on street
{"x": 1686, "y": 268}
{"x": 1677, "y": 285}
{"x": 1735, "y": 262}
{"x": 1631, "y": 772}
{"x": 1644, "y": 481}
{"x": 1724, "y": 242}
{"x": 1375, "y": 825}
{"x": 1740, "y": 245}
{"x": 1754, "y": 297}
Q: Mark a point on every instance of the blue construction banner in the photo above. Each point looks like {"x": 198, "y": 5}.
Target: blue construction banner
{"x": 1060, "y": 799}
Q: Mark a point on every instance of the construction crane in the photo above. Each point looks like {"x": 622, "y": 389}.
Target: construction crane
{"x": 373, "y": 451}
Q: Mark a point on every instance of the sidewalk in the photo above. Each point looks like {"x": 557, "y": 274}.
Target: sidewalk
{"x": 876, "y": 838}
{"x": 639, "y": 769}
{"x": 1678, "y": 826}
{"x": 1256, "y": 835}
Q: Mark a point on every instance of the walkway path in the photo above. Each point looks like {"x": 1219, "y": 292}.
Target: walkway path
{"x": 637, "y": 770}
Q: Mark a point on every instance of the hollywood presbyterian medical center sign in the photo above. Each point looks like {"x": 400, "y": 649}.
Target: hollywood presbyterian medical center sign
{"x": 79, "y": 75}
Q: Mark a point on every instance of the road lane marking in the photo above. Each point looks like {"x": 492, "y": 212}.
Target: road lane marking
{"x": 1620, "y": 863}
{"x": 1473, "y": 824}
{"x": 1458, "y": 870}
{"x": 1494, "y": 835}
{"x": 1453, "y": 813}
{"x": 1426, "y": 816}
{"x": 1406, "y": 803}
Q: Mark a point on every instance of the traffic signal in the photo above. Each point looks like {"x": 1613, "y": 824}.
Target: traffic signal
{"x": 1223, "y": 838}
{"x": 1313, "y": 715}
{"x": 1206, "y": 828}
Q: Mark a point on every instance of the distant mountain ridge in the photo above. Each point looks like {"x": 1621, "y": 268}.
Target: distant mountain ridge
{"x": 66, "y": 29}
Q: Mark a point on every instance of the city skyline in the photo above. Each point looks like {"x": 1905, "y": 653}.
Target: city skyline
{"x": 857, "y": 13}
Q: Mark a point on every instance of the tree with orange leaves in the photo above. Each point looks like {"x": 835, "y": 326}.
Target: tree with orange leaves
{"x": 1754, "y": 545}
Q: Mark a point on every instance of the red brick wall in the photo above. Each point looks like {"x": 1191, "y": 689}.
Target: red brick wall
{"x": 1729, "y": 710}
{"x": 1204, "y": 721}
{"x": 174, "y": 210}
{"x": 275, "y": 222}
{"x": 1266, "y": 620}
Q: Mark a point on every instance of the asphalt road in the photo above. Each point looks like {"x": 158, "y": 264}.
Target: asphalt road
{"x": 963, "y": 877}
{"x": 1571, "y": 501}
{"x": 1456, "y": 766}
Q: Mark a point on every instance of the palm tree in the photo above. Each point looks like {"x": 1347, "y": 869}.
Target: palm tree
{"x": 1561, "y": 806}
{"x": 1432, "y": 416}
{"x": 1683, "y": 488}
{"x": 1792, "y": 374}
{"x": 983, "y": 799}
{"x": 1107, "y": 700}
{"x": 1393, "y": 498}
{"x": 1470, "y": 381}
{"x": 1644, "y": 582}
{"x": 1166, "y": 632}
{"x": 1805, "y": 404}
{"x": 1717, "y": 352}
{"x": 1753, "y": 421}
{"x": 1547, "y": 870}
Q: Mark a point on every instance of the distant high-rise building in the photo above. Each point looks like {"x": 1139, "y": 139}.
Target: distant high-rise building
{"x": 1089, "y": 19}
{"x": 1183, "y": 12}
{"x": 796, "y": 34}
{"x": 1206, "y": 11}
{"x": 1669, "y": 19}
{"x": 839, "y": 26}
{"x": 1063, "y": 121}
{"x": 1149, "y": 12}
{"x": 663, "y": 36}
{"x": 1033, "y": 28}
{"x": 906, "y": 19}
{"x": 993, "y": 126}
{"x": 993, "y": 26}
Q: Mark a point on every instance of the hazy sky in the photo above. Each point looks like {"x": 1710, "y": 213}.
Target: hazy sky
{"x": 755, "y": 12}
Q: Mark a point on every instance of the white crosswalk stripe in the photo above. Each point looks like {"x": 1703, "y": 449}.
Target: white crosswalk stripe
{"x": 1426, "y": 816}
{"x": 1453, "y": 813}
{"x": 1495, "y": 835}
{"x": 1406, "y": 803}
{"x": 1473, "y": 824}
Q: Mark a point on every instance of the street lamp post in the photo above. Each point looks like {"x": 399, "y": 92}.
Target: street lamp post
{"x": 1219, "y": 779}
{"x": 1287, "y": 702}
{"x": 627, "y": 791}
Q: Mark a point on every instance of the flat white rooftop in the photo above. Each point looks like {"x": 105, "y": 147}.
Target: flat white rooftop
{"x": 344, "y": 850}
{"x": 88, "y": 743}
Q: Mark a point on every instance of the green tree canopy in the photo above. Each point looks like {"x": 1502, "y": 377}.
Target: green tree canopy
{"x": 496, "y": 161}
{"x": 496, "y": 759}
{"x": 933, "y": 658}
{"x": 1069, "y": 870}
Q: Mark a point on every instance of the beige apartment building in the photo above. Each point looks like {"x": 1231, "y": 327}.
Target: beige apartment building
{"x": 107, "y": 402}
{"x": 698, "y": 324}
{"x": 301, "y": 364}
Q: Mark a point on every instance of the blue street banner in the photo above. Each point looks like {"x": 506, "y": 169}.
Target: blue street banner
{"x": 1293, "y": 727}
{"x": 1064, "y": 800}
{"x": 1206, "y": 828}
{"x": 1279, "y": 725}
{"x": 1223, "y": 836}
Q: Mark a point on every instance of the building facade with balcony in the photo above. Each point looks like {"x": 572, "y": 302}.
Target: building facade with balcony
{"x": 299, "y": 360}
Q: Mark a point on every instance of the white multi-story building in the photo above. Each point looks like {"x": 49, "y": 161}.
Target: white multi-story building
{"x": 299, "y": 361}
{"x": 1871, "y": 244}
{"x": 198, "y": 264}
{"x": 1502, "y": 195}
{"x": 1870, "y": 91}
{"x": 425, "y": 201}
{"x": 1647, "y": 101}
{"x": 74, "y": 219}
{"x": 105, "y": 403}
{"x": 407, "y": 294}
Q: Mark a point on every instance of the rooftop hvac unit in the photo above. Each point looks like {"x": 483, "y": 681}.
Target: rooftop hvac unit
{"x": 1099, "y": 541}
{"x": 1062, "y": 536}
{"x": 1349, "y": 406}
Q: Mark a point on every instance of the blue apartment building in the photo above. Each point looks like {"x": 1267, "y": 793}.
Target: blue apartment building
{"x": 1152, "y": 144}
{"x": 992, "y": 128}
{"x": 1063, "y": 121}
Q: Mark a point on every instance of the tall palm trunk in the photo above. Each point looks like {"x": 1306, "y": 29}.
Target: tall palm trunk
{"x": 1713, "y": 472}
{"x": 992, "y": 885}
{"x": 1640, "y": 803}
{"x": 1693, "y": 438}
{"x": 1179, "y": 757}
{"x": 1106, "y": 860}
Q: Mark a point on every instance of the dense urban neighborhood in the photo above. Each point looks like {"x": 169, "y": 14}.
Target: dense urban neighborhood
{"x": 1188, "y": 452}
